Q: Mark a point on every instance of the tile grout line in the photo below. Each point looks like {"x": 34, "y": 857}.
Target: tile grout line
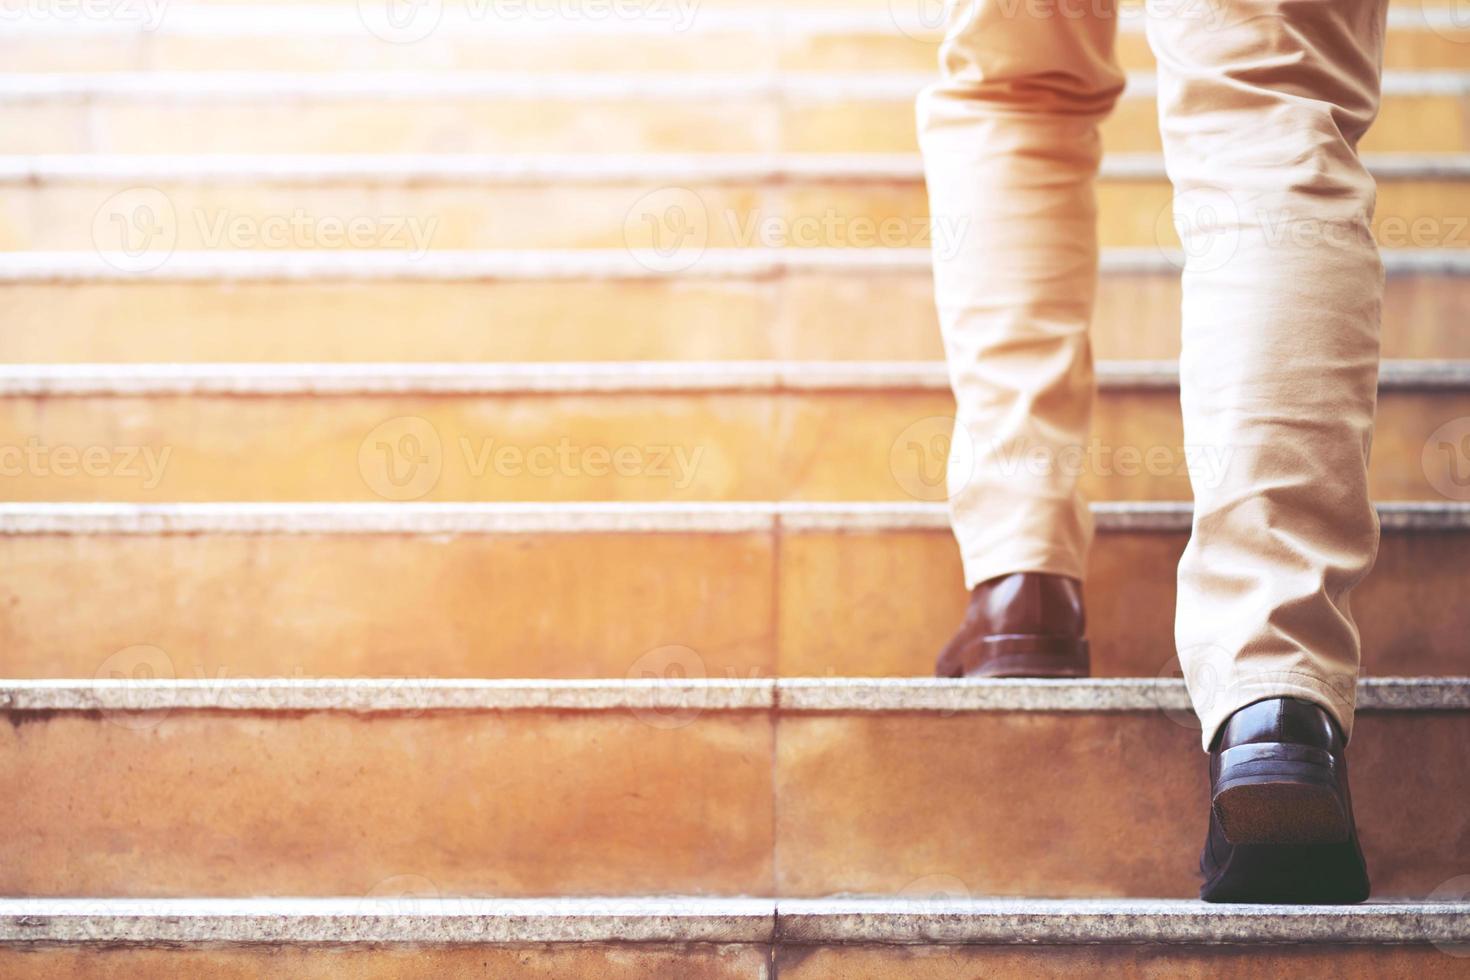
{"x": 778, "y": 536}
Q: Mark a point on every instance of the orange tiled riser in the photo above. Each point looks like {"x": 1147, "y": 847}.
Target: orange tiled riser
{"x": 830, "y": 445}
{"x": 550, "y": 214}
{"x": 726, "y": 51}
{"x": 367, "y": 125}
{"x": 805, "y": 316}
{"x": 611, "y": 962}
{"x": 1422, "y": 50}
{"x": 844, "y": 441}
{"x": 1409, "y": 123}
{"x": 1182, "y": 962}
{"x": 542, "y": 605}
{"x": 531, "y": 605}
{"x": 732, "y": 963}
{"x": 511, "y": 803}
{"x": 885, "y": 604}
{"x": 393, "y": 321}
{"x": 1066, "y": 804}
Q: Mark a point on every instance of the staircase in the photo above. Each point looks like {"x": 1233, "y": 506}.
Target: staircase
{"x": 473, "y": 506}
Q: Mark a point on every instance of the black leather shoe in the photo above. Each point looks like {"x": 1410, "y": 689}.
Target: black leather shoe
{"x": 1281, "y": 816}
{"x": 1030, "y": 624}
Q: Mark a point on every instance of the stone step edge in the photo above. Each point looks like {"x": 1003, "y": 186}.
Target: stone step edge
{"x": 584, "y": 377}
{"x": 691, "y": 697}
{"x": 24, "y": 171}
{"x": 875, "y": 921}
{"x": 176, "y": 87}
{"x": 235, "y": 21}
{"x": 350, "y": 518}
{"x": 578, "y": 265}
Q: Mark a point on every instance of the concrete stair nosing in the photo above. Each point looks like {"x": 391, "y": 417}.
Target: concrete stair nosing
{"x": 175, "y": 87}
{"x": 881, "y": 921}
{"x": 596, "y": 264}
{"x": 792, "y": 695}
{"x": 265, "y": 518}
{"x": 601, "y": 377}
{"x": 418, "y": 169}
{"x": 234, "y": 20}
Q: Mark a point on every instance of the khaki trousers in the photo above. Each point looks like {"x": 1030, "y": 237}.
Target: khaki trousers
{"x": 1261, "y": 106}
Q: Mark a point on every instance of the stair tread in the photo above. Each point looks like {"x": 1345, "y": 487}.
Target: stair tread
{"x": 846, "y": 695}
{"x": 329, "y": 20}
{"x": 579, "y": 264}
{"x": 900, "y": 921}
{"x": 652, "y": 167}
{"x": 195, "y": 86}
{"x": 599, "y": 517}
{"x": 421, "y": 377}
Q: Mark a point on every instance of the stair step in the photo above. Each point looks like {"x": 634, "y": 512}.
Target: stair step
{"x": 315, "y": 37}
{"x": 507, "y": 590}
{"x": 707, "y": 431}
{"x": 151, "y": 700}
{"x": 745, "y": 304}
{"x": 417, "y": 204}
{"x": 52, "y": 380}
{"x": 523, "y": 789}
{"x": 516, "y": 112}
{"x": 695, "y": 938}
{"x": 905, "y": 921}
{"x": 492, "y": 169}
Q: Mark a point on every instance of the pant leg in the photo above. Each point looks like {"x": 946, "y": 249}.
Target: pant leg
{"x": 1262, "y": 104}
{"x": 1010, "y": 142}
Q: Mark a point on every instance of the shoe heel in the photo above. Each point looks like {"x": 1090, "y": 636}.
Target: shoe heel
{"x": 1276, "y": 793}
{"x": 1032, "y": 656}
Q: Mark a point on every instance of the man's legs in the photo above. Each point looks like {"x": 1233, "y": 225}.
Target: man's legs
{"x": 1011, "y": 148}
{"x": 1262, "y": 104}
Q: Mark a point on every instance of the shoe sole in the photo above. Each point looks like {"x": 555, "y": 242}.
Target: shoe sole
{"x": 1033, "y": 656}
{"x": 1030, "y": 667}
{"x": 1273, "y": 793}
{"x": 1291, "y": 874}
{"x": 1284, "y": 810}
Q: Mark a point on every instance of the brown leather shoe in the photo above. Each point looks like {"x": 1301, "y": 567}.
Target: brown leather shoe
{"x": 1281, "y": 816}
{"x": 1030, "y": 624}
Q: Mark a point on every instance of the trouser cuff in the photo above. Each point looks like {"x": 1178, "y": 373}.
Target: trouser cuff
{"x": 1214, "y": 707}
